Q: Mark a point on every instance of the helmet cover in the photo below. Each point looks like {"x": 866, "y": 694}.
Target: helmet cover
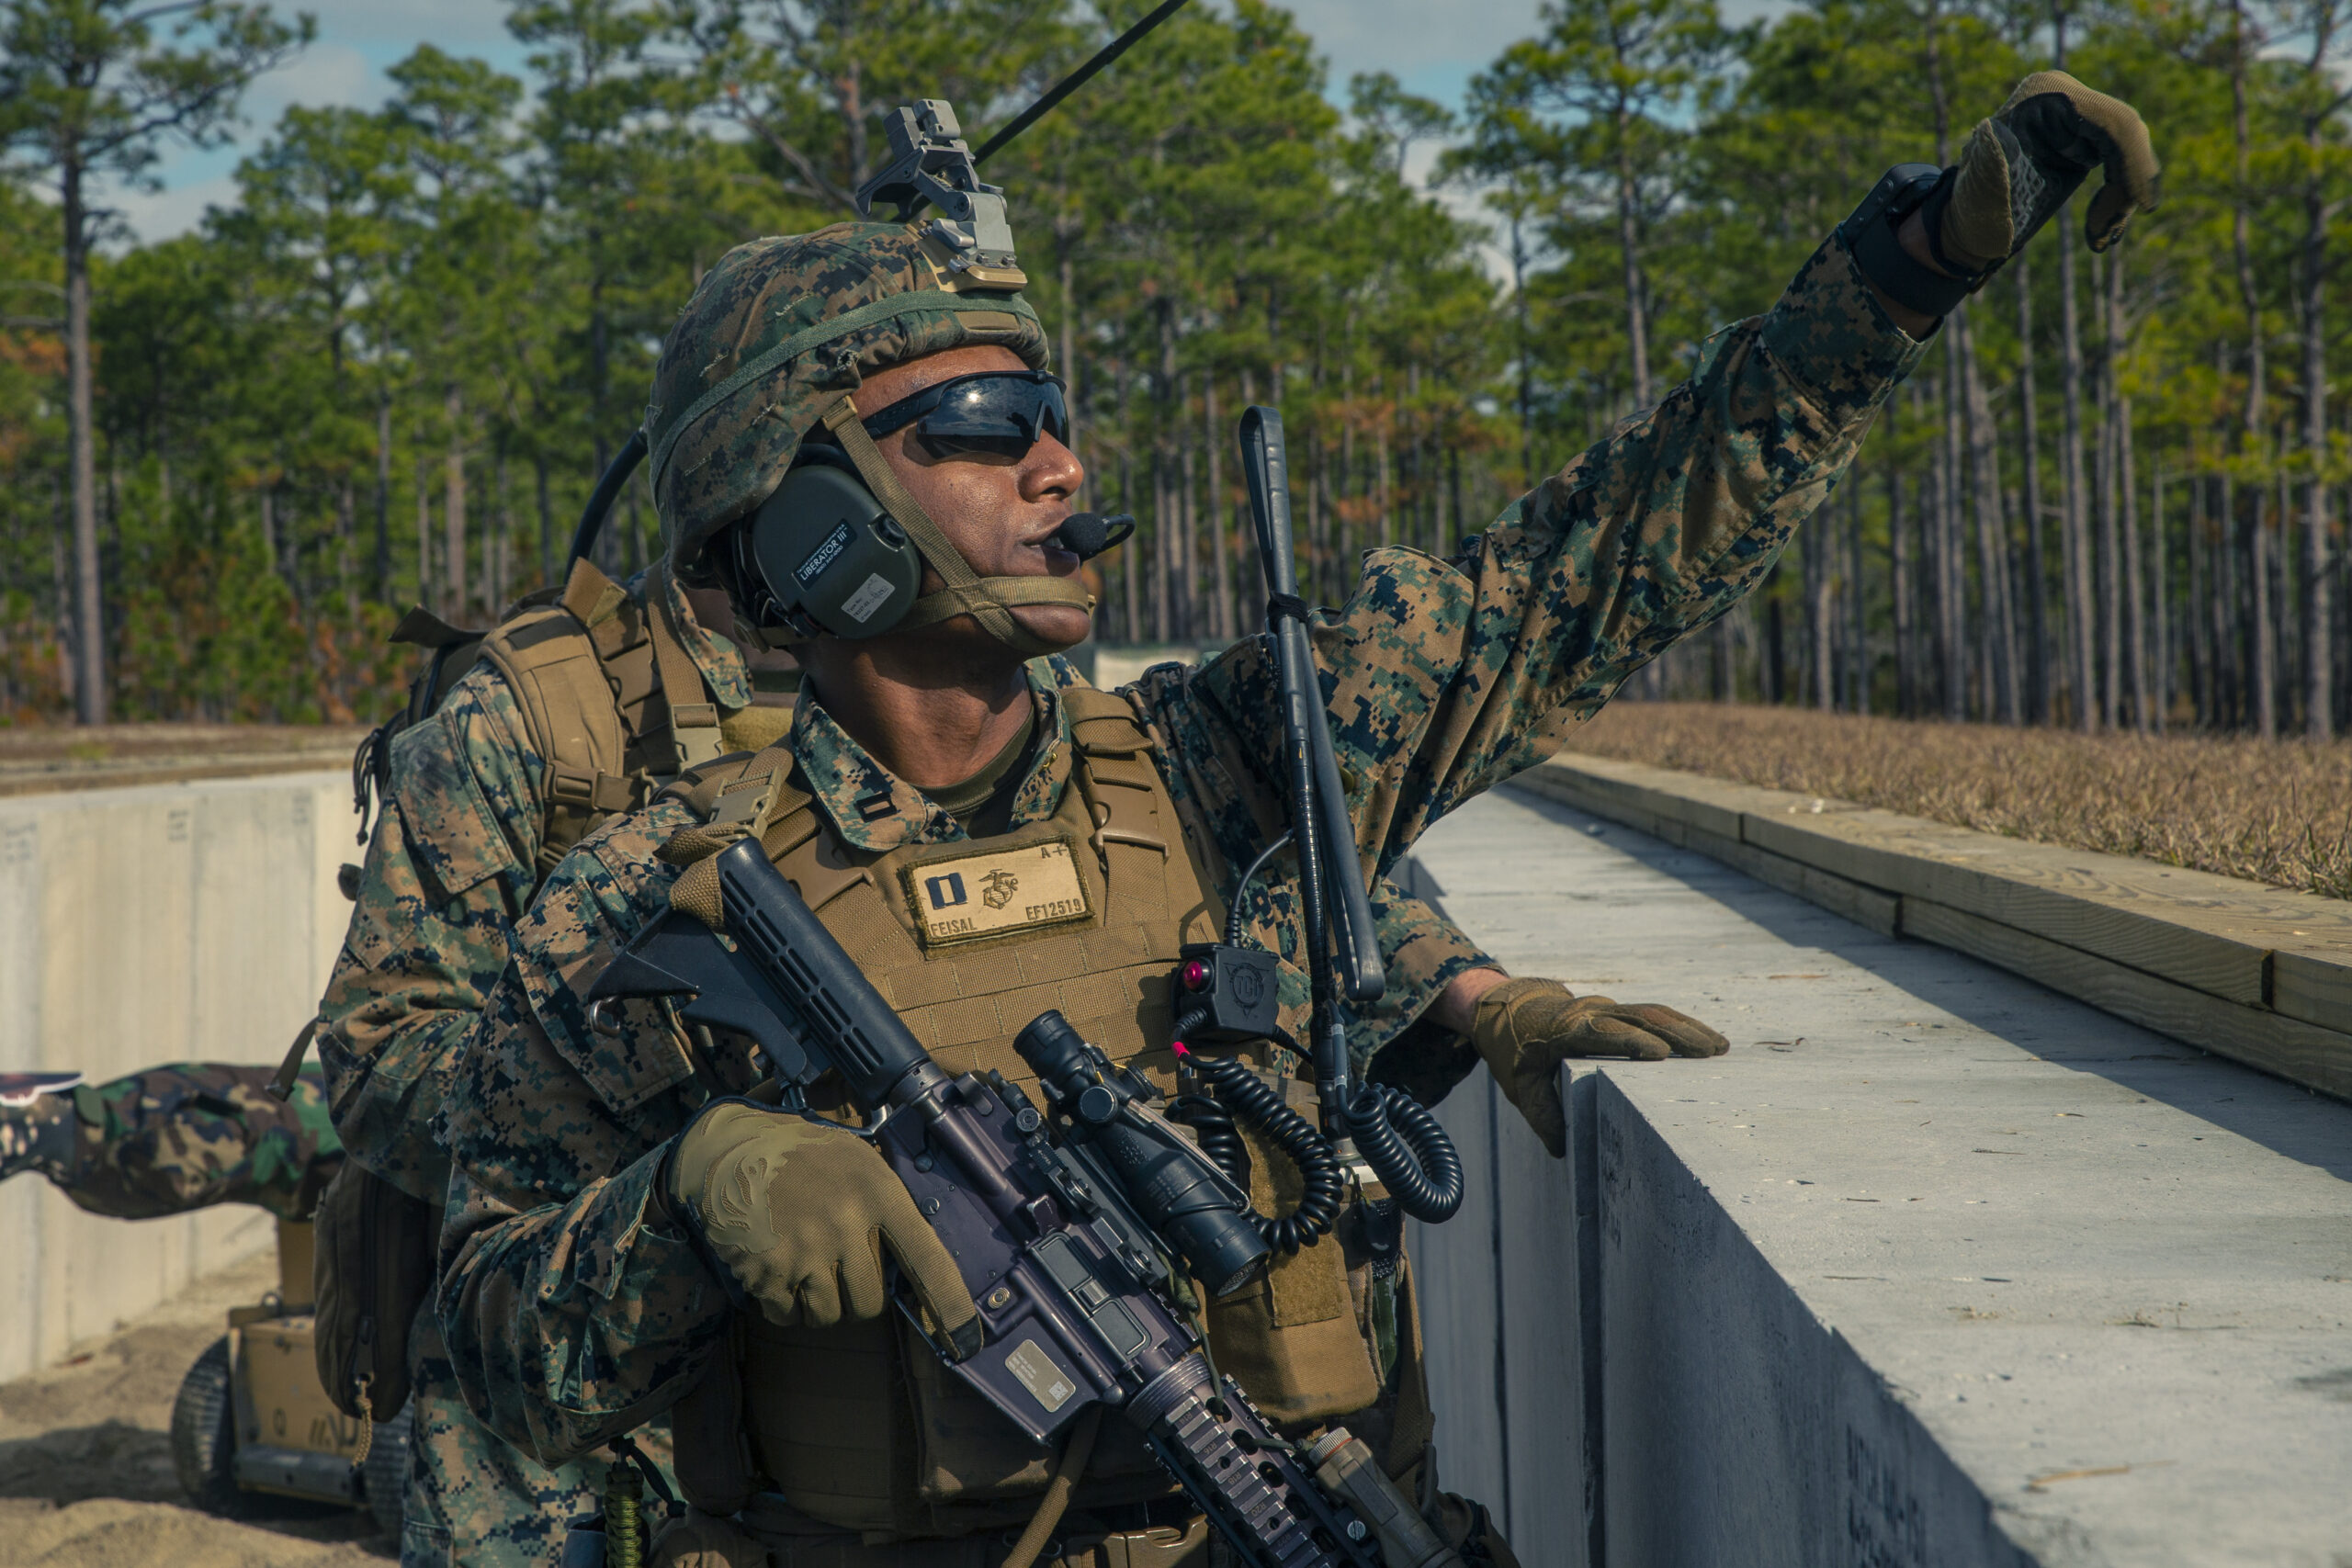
{"x": 775, "y": 334}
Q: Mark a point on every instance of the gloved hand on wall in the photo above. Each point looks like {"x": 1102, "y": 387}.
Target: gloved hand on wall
{"x": 801, "y": 1213}
{"x": 1525, "y": 1028}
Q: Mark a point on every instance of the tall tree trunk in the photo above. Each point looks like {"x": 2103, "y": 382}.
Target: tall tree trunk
{"x": 1820, "y": 572}
{"x": 2081, "y": 617}
{"x": 1520, "y": 350}
{"x": 1858, "y": 653}
{"x": 1188, "y": 546}
{"x": 1163, "y": 552}
{"x": 89, "y": 616}
{"x": 2234, "y": 706}
{"x": 2204, "y": 691}
{"x": 2040, "y": 685}
{"x": 546, "y": 521}
{"x": 1066, "y": 230}
{"x": 453, "y": 505}
{"x": 384, "y": 495}
{"x": 1951, "y": 605}
{"x": 1899, "y": 569}
{"x": 497, "y": 563}
{"x": 1637, "y": 337}
{"x": 2250, "y": 438}
{"x": 1221, "y": 606}
{"x": 1453, "y": 495}
{"x": 2105, "y": 279}
{"x": 2135, "y": 588}
{"x": 1130, "y": 567}
{"x": 2163, "y": 677}
{"x": 2319, "y": 623}
{"x": 2262, "y": 666}
{"x": 1998, "y": 630}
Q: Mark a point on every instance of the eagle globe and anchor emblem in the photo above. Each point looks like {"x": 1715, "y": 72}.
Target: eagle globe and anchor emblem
{"x": 998, "y": 888}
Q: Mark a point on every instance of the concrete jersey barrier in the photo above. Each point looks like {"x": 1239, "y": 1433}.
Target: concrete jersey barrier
{"x": 138, "y": 926}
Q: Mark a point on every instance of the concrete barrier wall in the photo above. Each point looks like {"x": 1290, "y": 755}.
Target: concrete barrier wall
{"x": 1937, "y": 1268}
{"x": 178, "y": 922}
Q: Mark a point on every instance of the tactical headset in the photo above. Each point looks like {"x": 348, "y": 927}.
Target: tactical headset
{"x": 838, "y": 548}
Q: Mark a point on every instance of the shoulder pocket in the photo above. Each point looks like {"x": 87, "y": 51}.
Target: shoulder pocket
{"x": 452, "y": 834}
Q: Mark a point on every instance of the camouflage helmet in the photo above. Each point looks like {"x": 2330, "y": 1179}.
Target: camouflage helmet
{"x": 775, "y": 334}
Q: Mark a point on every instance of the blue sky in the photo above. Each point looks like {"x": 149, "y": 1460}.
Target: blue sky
{"x": 1433, "y": 46}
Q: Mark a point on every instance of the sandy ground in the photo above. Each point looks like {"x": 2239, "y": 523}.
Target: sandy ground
{"x": 86, "y": 1461}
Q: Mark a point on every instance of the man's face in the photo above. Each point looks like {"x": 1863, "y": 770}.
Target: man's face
{"x": 998, "y": 512}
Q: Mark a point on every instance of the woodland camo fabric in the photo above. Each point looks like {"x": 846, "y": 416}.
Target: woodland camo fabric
{"x": 193, "y": 1135}
{"x": 713, "y": 460}
{"x": 572, "y": 1310}
{"x": 449, "y": 871}
{"x": 448, "y": 876}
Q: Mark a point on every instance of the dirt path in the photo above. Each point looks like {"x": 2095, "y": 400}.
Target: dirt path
{"x": 86, "y": 1461}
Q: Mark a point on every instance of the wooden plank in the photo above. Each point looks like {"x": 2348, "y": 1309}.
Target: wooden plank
{"x": 2101, "y": 904}
{"x": 2300, "y": 1052}
{"x": 1626, "y": 802}
{"x": 2241, "y": 944}
{"x": 2313, "y": 985}
{"x": 2214, "y": 933}
{"x": 1866, "y": 906}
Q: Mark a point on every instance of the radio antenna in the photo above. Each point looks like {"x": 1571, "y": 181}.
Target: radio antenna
{"x": 1077, "y": 79}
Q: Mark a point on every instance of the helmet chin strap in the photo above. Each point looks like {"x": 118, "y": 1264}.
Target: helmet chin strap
{"x": 987, "y": 599}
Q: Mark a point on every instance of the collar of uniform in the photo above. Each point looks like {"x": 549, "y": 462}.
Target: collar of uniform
{"x": 876, "y": 810}
{"x": 720, "y": 662}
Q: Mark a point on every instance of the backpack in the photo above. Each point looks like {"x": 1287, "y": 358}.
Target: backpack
{"x": 591, "y": 670}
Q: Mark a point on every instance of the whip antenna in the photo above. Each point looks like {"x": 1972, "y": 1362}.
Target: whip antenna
{"x": 1077, "y": 79}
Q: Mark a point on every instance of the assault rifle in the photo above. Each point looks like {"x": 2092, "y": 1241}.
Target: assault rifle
{"x": 1074, "y": 1231}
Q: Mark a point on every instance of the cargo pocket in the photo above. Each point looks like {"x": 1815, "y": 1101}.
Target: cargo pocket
{"x": 1290, "y": 1338}
{"x": 825, "y": 1409}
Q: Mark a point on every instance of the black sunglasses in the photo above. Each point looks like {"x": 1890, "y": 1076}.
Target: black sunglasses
{"x": 1001, "y": 412}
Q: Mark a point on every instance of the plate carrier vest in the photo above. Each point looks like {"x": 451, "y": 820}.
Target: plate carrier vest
{"x": 859, "y": 1427}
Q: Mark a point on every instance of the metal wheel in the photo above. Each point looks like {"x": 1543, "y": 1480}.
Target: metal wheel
{"x": 386, "y": 1473}
{"x": 204, "y": 1437}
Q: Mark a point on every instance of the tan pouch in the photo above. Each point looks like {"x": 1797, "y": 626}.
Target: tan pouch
{"x": 370, "y": 1271}
{"x": 826, "y": 1412}
{"x": 966, "y": 1452}
{"x": 1290, "y": 1338}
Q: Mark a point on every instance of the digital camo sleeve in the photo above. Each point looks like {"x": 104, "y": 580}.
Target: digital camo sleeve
{"x": 446, "y": 873}
{"x": 1444, "y": 677}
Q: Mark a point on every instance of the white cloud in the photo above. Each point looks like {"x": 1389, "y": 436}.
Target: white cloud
{"x": 175, "y": 209}
{"x": 327, "y": 73}
{"x": 458, "y": 26}
{"x": 1412, "y": 37}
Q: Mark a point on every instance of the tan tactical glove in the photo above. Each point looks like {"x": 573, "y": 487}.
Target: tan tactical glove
{"x": 2019, "y": 167}
{"x": 1524, "y": 1029}
{"x": 801, "y": 1213}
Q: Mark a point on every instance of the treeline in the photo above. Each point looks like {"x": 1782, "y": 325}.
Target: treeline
{"x": 2112, "y": 494}
{"x": 389, "y": 371}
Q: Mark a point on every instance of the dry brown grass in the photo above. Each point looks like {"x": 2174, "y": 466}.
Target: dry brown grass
{"x": 2274, "y": 811}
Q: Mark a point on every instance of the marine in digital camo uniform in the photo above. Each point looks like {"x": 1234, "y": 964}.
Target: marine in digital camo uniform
{"x": 169, "y": 1139}
{"x": 563, "y": 720}
{"x": 582, "y": 1289}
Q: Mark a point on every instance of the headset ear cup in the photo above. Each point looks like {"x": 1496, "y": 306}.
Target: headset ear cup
{"x": 829, "y": 553}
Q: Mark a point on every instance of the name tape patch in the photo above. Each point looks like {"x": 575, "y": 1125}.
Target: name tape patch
{"x": 997, "y": 891}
